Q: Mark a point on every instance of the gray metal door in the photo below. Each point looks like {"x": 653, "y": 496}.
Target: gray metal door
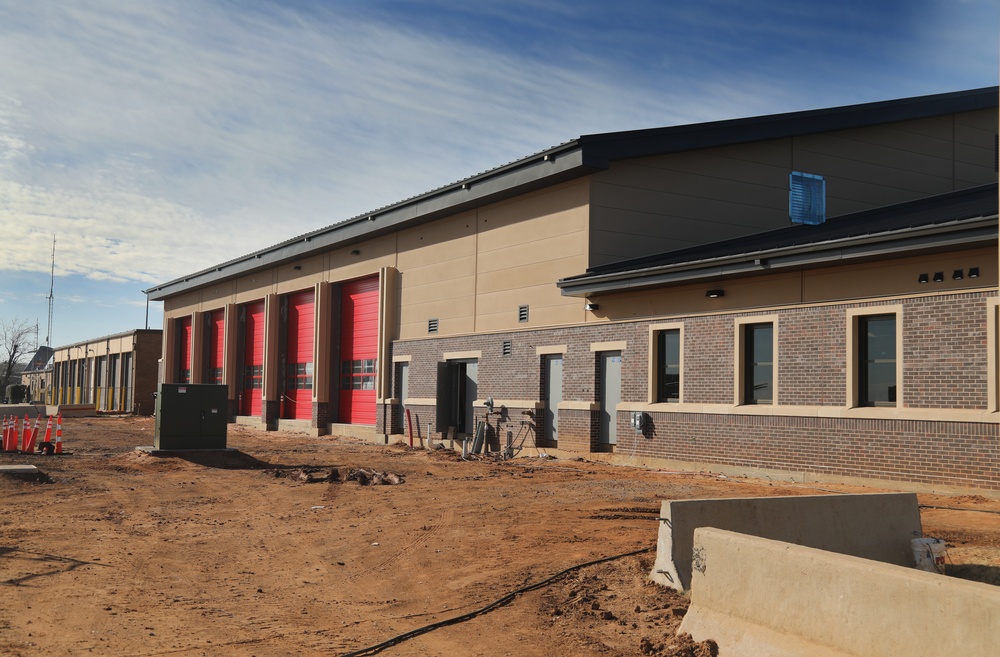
{"x": 611, "y": 395}
{"x": 471, "y": 390}
{"x": 553, "y": 395}
{"x": 403, "y": 385}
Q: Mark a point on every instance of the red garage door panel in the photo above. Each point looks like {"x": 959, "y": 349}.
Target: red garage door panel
{"x": 297, "y": 400}
{"x": 253, "y": 359}
{"x": 216, "y": 343}
{"x": 184, "y": 350}
{"x": 358, "y": 351}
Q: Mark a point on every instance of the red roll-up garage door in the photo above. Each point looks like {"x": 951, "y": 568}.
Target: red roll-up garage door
{"x": 358, "y": 351}
{"x": 216, "y": 344}
{"x": 253, "y": 359}
{"x": 297, "y": 400}
{"x": 184, "y": 350}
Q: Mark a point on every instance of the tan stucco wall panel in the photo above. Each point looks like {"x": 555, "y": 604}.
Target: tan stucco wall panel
{"x": 561, "y": 206}
{"x": 761, "y": 292}
{"x": 899, "y": 277}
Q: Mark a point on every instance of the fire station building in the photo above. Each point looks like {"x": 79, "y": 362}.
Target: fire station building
{"x": 812, "y": 293}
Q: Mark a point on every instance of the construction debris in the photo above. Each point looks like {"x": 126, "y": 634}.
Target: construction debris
{"x": 364, "y": 476}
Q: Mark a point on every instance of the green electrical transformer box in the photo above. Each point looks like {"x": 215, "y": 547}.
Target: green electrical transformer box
{"x": 191, "y": 416}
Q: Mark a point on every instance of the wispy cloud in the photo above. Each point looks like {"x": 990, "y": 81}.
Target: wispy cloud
{"x": 158, "y": 138}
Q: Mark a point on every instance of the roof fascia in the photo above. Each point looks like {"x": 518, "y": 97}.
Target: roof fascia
{"x": 967, "y": 234}
{"x": 673, "y": 139}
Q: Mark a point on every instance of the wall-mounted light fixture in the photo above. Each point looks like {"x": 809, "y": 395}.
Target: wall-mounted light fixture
{"x": 939, "y": 277}
{"x": 973, "y": 272}
{"x": 590, "y": 306}
{"x": 923, "y": 278}
{"x": 715, "y": 293}
{"x": 957, "y": 275}
{"x": 355, "y": 252}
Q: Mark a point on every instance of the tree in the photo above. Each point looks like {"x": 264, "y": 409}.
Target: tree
{"x": 14, "y": 335}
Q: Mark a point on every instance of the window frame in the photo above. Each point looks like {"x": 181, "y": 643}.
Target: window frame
{"x": 857, "y": 385}
{"x": 741, "y": 395}
{"x": 653, "y": 383}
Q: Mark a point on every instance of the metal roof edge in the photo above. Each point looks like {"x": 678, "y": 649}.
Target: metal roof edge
{"x": 563, "y": 163}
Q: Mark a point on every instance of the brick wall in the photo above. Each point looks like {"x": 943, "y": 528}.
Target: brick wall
{"x": 944, "y": 352}
{"x": 812, "y": 356}
{"x": 960, "y": 454}
{"x": 945, "y": 366}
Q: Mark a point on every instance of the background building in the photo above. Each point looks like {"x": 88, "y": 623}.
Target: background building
{"x": 116, "y": 373}
{"x": 573, "y": 288}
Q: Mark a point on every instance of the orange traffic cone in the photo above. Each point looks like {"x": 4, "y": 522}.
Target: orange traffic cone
{"x": 6, "y": 434}
{"x": 48, "y": 430}
{"x": 59, "y": 434}
{"x": 29, "y": 439}
{"x": 34, "y": 433}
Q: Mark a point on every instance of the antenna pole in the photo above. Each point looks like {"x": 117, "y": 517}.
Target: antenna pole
{"x": 52, "y": 285}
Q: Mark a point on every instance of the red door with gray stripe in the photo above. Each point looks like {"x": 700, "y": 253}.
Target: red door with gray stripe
{"x": 183, "y": 350}
{"x": 216, "y": 346}
{"x": 253, "y": 359}
{"x": 297, "y": 401}
{"x": 358, "y": 351}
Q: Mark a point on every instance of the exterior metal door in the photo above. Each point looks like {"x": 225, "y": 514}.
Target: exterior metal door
{"x": 402, "y": 388}
{"x": 553, "y": 395}
{"x": 468, "y": 424}
{"x": 358, "y": 351}
{"x": 297, "y": 400}
{"x": 253, "y": 360}
{"x": 611, "y": 395}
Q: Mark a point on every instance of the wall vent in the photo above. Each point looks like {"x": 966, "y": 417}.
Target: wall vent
{"x": 508, "y": 348}
{"x": 432, "y": 325}
{"x": 522, "y": 314}
{"x": 806, "y": 198}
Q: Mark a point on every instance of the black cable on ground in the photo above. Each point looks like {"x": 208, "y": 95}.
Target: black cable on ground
{"x": 956, "y": 508}
{"x": 405, "y": 636}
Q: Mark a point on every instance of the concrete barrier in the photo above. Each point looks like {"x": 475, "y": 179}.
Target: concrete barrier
{"x": 20, "y": 410}
{"x": 875, "y": 526}
{"x": 758, "y": 597}
{"x": 72, "y": 410}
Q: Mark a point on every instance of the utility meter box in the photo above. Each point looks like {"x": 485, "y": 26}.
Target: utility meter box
{"x": 191, "y": 416}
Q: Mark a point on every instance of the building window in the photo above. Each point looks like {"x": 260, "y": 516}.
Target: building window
{"x": 299, "y": 376}
{"x": 355, "y": 374}
{"x": 758, "y": 363}
{"x": 668, "y": 366}
{"x": 877, "y": 385}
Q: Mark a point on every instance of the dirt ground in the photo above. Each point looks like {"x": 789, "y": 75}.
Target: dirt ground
{"x": 275, "y": 549}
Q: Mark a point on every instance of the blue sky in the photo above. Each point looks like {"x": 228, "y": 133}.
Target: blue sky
{"x": 154, "y": 139}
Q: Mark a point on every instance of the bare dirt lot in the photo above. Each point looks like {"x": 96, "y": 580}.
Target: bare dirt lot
{"x": 275, "y": 549}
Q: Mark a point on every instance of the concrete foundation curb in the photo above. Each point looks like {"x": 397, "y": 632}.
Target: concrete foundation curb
{"x": 876, "y": 526}
{"x": 763, "y": 598}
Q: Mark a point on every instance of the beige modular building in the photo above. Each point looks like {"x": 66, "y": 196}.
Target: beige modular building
{"x": 112, "y": 374}
{"x": 809, "y": 294}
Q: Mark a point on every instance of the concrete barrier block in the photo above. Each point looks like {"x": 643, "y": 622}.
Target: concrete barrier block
{"x": 759, "y": 597}
{"x": 876, "y": 526}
